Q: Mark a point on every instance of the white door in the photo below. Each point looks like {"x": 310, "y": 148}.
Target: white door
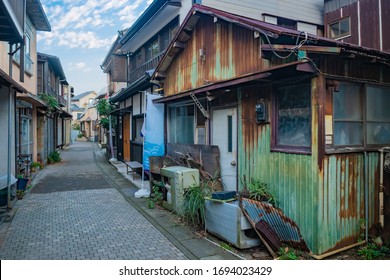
{"x": 224, "y": 135}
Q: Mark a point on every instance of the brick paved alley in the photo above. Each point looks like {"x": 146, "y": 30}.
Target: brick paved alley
{"x": 74, "y": 212}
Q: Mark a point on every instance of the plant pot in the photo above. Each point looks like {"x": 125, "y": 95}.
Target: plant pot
{"x": 22, "y": 184}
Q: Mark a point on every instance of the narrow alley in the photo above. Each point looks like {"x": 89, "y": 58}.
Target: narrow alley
{"x": 75, "y": 212}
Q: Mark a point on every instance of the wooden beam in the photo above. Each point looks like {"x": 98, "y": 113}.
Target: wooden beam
{"x": 178, "y": 44}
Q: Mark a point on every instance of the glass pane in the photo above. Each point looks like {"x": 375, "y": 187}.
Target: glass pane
{"x": 378, "y": 133}
{"x": 378, "y": 101}
{"x": 334, "y": 30}
{"x": 347, "y": 133}
{"x": 230, "y": 134}
{"x": 182, "y": 125}
{"x": 344, "y": 27}
{"x": 294, "y": 116}
{"x": 347, "y": 104}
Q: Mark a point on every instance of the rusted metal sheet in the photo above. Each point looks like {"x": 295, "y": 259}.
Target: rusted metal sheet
{"x": 286, "y": 229}
{"x": 341, "y": 204}
{"x": 228, "y": 51}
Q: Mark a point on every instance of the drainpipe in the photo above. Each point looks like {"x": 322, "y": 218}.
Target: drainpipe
{"x": 366, "y": 194}
{"x": 381, "y": 187}
{"x": 9, "y": 151}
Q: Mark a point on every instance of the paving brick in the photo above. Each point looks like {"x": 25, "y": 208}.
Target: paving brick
{"x": 74, "y": 213}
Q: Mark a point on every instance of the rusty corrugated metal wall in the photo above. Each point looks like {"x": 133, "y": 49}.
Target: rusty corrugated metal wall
{"x": 292, "y": 177}
{"x": 229, "y": 51}
{"x": 341, "y": 201}
{"x": 324, "y": 195}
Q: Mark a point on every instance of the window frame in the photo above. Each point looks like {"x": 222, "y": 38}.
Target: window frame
{"x": 275, "y": 147}
{"x": 350, "y": 148}
{"x": 338, "y": 22}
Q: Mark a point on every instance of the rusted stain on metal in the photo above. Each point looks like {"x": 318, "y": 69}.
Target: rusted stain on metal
{"x": 285, "y": 228}
{"x": 228, "y": 51}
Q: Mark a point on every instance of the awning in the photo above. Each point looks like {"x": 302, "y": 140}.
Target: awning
{"x": 139, "y": 85}
{"x": 121, "y": 111}
{"x": 31, "y": 98}
{"x": 289, "y": 70}
{"x": 65, "y": 114}
{"x": 4, "y": 76}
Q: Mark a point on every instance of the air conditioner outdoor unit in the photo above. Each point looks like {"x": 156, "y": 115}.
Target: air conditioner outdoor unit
{"x": 176, "y": 180}
{"x": 227, "y": 221}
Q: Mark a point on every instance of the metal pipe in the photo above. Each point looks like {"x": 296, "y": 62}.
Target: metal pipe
{"x": 9, "y": 150}
{"x": 365, "y": 163}
{"x": 381, "y": 186}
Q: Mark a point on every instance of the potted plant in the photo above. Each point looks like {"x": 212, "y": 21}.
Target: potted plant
{"x": 22, "y": 183}
{"x": 35, "y": 166}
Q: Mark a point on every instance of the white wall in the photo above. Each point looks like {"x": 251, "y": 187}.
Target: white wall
{"x": 4, "y": 149}
{"x": 303, "y": 10}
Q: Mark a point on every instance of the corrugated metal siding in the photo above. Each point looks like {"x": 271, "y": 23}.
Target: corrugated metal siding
{"x": 230, "y": 51}
{"x": 361, "y": 69}
{"x": 325, "y": 199}
{"x": 385, "y": 22}
{"x": 292, "y": 177}
{"x": 369, "y": 24}
{"x": 307, "y": 10}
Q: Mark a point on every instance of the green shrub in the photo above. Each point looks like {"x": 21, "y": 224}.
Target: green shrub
{"x": 373, "y": 251}
{"x": 259, "y": 190}
{"x": 54, "y": 157}
{"x": 193, "y": 205}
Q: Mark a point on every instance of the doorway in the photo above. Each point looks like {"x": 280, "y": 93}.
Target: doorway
{"x": 224, "y": 135}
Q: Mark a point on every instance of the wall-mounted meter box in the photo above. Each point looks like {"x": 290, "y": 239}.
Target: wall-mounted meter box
{"x": 261, "y": 112}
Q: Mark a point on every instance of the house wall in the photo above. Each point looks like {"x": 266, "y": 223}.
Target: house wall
{"x": 5, "y": 99}
{"x": 369, "y": 19}
{"x": 306, "y": 10}
{"x": 238, "y": 54}
{"x": 324, "y": 196}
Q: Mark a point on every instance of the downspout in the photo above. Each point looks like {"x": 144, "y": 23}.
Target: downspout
{"x": 381, "y": 187}
{"x": 365, "y": 160}
{"x": 9, "y": 151}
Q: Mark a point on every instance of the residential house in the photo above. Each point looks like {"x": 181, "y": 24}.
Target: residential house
{"x": 137, "y": 50}
{"x": 20, "y": 21}
{"x": 303, "y": 113}
{"x": 87, "y": 118}
{"x": 53, "y": 124}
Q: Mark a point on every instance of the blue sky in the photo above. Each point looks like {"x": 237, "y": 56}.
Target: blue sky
{"x": 82, "y": 33}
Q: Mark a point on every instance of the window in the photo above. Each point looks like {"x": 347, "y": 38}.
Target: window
{"x": 288, "y": 23}
{"x": 181, "y": 124}
{"x": 378, "y": 115}
{"x": 361, "y": 116}
{"x": 348, "y": 116}
{"x": 340, "y": 29}
{"x": 292, "y": 129}
{"x": 152, "y": 50}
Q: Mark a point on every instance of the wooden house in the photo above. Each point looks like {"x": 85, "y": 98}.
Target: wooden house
{"x": 20, "y": 21}
{"x": 137, "y": 50}
{"x": 52, "y": 127}
{"x": 306, "y": 114}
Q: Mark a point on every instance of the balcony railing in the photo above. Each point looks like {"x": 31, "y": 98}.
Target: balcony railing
{"x": 61, "y": 101}
{"x": 140, "y": 71}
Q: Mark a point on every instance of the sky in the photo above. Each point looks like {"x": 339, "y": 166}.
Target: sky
{"x": 82, "y": 33}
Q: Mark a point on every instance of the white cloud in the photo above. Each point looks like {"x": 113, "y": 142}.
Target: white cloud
{"x": 79, "y": 66}
{"x": 88, "y": 40}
